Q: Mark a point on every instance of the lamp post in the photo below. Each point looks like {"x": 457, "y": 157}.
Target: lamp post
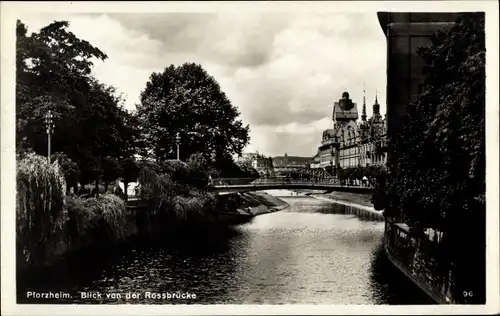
{"x": 332, "y": 158}
{"x": 177, "y": 141}
{"x": 49, "y": 123}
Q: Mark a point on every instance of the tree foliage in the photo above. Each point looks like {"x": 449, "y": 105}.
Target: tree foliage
{"x": 69, "y": 168}
{"x": 188, "y": 101}
{"x": 246, "y": 170}
{"x": 54, "y": 72}
{"x": 436, "y": 173}
{"x": 111, "y": 170}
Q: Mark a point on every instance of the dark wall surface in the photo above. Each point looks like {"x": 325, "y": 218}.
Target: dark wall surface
{"x": 405, "y": 33}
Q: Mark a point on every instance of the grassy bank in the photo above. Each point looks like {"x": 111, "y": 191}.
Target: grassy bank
{"x": 258, "y": 203}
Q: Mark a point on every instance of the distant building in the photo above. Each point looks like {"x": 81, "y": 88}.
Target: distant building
{"x": 350, "y": 144}
{"x": 291, "y": 161}
{"x": 258, "y": 161}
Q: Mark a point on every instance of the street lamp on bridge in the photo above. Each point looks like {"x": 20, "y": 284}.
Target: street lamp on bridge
{"x": 49, "y": 124}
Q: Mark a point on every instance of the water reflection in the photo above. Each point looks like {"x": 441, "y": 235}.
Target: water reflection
{"x": 205, "y": 263}
{"x": 311, "y": 253}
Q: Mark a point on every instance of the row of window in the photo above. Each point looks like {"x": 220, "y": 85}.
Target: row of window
{"x": 363, "y": 161}
{"x": 376, "y": 160}
{"x": 348, "y": 163}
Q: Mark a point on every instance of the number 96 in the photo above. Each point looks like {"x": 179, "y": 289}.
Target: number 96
{"x": 468, "y": 294}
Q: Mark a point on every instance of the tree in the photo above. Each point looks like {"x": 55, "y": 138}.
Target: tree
{"x": 378, "y": 197}
{"x": 436, "y": 175}
{"x": 53, "y": 69}
{"x": 54, "y": 73}
{"x": 244, "y": 169}
{"x": 111, "y": 170}
{"x": 188, "y": 101}
{"x": 197, "y": 171}
{"x": 69, "y": 169}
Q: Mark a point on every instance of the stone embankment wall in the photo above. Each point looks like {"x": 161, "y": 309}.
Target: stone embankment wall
{"x": 415, "y": 260}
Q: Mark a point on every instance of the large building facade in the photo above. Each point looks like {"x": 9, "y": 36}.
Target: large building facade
{"x": 290, "y": 161}
{"x": 352, "y": 143}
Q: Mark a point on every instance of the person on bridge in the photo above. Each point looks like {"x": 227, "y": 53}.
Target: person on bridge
{"x": 210, "y": 181}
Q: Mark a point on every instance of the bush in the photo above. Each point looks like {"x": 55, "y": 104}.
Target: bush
{"x": 106, "y": 212}
{"x": 82, "y": 219}
{"x": 40, "y": 200}
{"x": 155, "y": 189}
{"x": 178, "y": 201}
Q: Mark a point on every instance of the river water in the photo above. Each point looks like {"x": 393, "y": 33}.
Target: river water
{"x": 309, "y": 253}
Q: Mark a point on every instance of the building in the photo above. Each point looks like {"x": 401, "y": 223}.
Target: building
{"x": 405, "y": 33}
{"x": 258, "y": 161}
{"x": 291, "y": 161}
{"x": 351, "y": 143}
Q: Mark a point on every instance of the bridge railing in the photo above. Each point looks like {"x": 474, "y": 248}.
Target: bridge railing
{"x": 232, "y": 181}
{"x": 284, "y": 181}
{"x": 292, "y": 181}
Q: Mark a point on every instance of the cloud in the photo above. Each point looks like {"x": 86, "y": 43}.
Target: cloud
{"x": 283, "y": 71}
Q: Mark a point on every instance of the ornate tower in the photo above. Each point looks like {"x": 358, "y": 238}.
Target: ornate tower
{"x": 377, "y": 122}
{"x": 376, "y": 106}
{"x": 344, "y": 111}
{"x": 363, "y": 126}
{"x": 363, "y": 113}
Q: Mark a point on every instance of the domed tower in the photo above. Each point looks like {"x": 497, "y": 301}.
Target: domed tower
{"x": 344, "y": 110}
{"x": 346, "y": 103}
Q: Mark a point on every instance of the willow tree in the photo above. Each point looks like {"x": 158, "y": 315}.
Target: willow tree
{"x": 40, "y": 210}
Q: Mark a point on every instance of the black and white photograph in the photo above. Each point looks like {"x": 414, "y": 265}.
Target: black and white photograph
{"x": 168, "y": 156}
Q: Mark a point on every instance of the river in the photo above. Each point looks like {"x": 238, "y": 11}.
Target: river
{"x": 309, "y": 253}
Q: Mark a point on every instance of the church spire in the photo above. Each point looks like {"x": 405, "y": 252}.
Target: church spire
{"x": 363, "y": 114}
{"x": 376, "y": 106}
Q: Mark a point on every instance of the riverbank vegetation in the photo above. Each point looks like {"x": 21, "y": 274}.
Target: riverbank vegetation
{"x": 172, "y": 195}
{"x": 49, "y": 222}
{"x": 74, "y": 201}
{"x": 436, "y": 167}
{"x": 96, "y": 139}
{"x": 354, "y": 198}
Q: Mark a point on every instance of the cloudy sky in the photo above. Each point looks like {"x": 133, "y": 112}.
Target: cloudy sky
{"x": 282, "y": 70}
